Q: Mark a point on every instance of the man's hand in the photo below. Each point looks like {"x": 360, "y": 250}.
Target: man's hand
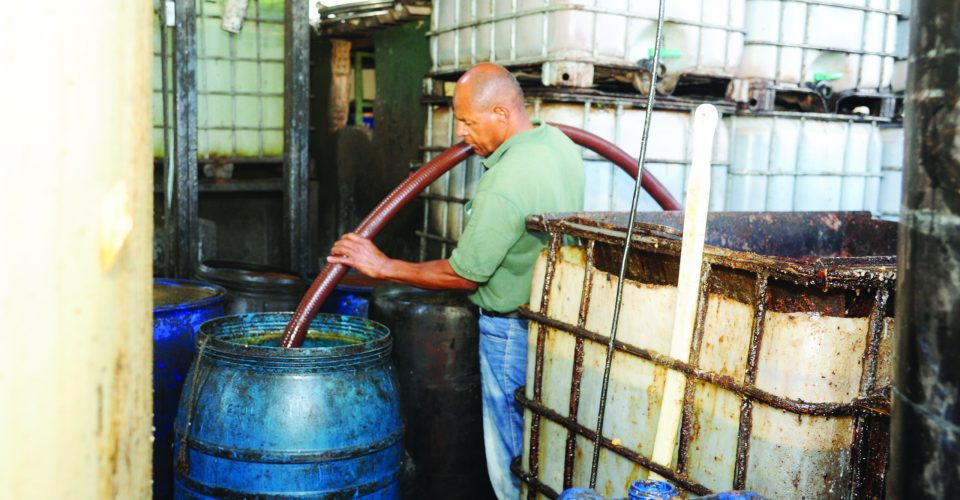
{"x": 360, "y": 254}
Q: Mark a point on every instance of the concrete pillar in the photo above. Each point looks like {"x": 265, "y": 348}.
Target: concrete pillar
{"x": 925, "y": 431}
{"x": 75, "y": 249}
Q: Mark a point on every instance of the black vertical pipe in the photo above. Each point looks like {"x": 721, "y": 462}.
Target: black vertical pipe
{"x": 296, "y": 130}
{"x": 184, "y": 226}
{"x": 925, "y": 430}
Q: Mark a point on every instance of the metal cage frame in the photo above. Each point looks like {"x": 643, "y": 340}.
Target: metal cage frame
{"x": 871, "y": 409}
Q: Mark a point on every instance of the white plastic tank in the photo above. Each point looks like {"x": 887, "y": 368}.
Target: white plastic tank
{"x": 849, "y": 44}
{"x": 891, "y": 164}
{"x": 811, "y": 341}
{"x": 607, "y": 187}
{"x": 444, "y": 199}
{"x": 902, "y": 48}
{"x": 669, "y": 153}
{"x": 569, "y": 37}
{"x": 798, "y": 162}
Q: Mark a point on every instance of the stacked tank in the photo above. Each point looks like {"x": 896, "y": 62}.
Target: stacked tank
{"x": 808, "y": 91}
{"x": 573, "y": 42}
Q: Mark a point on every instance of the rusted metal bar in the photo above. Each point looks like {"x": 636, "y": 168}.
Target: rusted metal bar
{"x": 868, "y": 478}
{"x": 871, "y": 354}
{"x": 552, "y": 253}
{"x": 644, "y": 142}
{"x": 572, "y": 424}
{"x": 184, "y": 225}
{"x": 877, "y": 404}
{"x": 577, "y": 374}
{"x": 532, "y": 482}
{"x": 686, "y": 423}
{"x": 296, "y": 79}
{"x": 810, "y": 272}
{"x": 750, "y": 378}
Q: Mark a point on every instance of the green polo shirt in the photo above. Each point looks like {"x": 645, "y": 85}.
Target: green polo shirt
{"x": 535, "y": 171}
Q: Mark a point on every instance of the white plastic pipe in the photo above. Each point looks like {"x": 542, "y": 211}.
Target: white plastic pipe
{"x": 688, "y": 284}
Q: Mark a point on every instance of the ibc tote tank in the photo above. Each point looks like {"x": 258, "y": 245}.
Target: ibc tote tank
{"x": 789, "y": 372}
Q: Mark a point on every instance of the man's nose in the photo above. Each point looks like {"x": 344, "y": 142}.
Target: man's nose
{"x": 461, "y": 131}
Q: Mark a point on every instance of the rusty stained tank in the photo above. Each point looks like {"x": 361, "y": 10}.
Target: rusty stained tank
{"x": 436, "y": 353}
{"x": 788, "y": 376}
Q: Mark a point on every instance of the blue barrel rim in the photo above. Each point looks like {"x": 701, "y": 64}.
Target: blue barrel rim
{"x": 218, "y": 296}
{"x": 217, "y": 337}
{"x": 641, "y": 488}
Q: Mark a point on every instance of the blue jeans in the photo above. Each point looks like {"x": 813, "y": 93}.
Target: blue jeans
{"x": 503, "y": 366}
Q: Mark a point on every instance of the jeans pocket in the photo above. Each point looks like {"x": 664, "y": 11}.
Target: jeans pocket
{"x": 494, "y": 329}
{"x": 515, "y": 357}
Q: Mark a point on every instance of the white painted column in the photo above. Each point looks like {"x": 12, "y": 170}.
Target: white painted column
{"x": 75, "y": 249}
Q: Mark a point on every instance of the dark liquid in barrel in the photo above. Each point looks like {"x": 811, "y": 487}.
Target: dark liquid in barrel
{"x": 169, "y": 295}
{"x": 314, "y": 339}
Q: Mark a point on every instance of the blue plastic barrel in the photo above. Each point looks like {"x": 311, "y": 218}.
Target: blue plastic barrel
{"x": 320, "y": 421}
{"x": 352, "y": 296}
{"x": 179, "y": 307}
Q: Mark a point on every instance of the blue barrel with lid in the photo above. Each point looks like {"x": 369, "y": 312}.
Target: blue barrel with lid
{"x": 352, "y": 296}
{"x": 319, "y": 421}
{"x": 179, "y": 308}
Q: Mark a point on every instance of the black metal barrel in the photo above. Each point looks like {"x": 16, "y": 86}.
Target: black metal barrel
{"x": 437, "y": 358}
{"x": 254, "y": 287}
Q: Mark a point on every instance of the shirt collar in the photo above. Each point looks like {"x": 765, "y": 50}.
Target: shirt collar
{"x": 519, "y": 138}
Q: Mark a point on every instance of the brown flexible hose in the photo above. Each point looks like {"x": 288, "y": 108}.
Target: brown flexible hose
{"x": 623, "y": 160}
{"x": 325, "y": 282}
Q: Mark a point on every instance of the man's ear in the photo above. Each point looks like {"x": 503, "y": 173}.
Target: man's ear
{"x": 502, "y": 113}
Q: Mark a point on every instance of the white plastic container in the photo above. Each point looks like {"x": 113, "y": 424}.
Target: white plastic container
{"x": 812, "y": 347}
{"x": 567, "y": 38}
{"x": 240, "y": 90}
{"x": 891, "y": 164}
{"x": 770, "y": 162}
{"x": 790, "y": 162}
{"x": 607, "y": 186}
{"x": 669, "y": 153}
{"x": 850, "y": 44}
{"x": 903, "y": 47}
{"x": 443, "y": 220}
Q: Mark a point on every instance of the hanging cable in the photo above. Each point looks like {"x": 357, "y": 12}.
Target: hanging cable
{"x": 626, "y": 247}
{"x": 166, "y": 21}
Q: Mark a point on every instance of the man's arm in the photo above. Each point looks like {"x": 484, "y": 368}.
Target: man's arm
{"x": 362, "y": 255}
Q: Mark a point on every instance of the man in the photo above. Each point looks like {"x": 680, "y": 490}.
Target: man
{"x": 530, "y": 169}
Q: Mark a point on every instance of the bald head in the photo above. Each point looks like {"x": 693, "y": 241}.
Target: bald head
{"x": 488, "y": 106}
{"x": 487, "y": 85}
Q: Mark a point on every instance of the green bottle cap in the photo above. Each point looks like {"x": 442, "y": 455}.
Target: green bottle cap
{"x": 819, "y": 77}
{"x": 665, "y": 53}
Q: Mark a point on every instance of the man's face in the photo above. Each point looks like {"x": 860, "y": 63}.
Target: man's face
{"x": 483, "y": 129}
